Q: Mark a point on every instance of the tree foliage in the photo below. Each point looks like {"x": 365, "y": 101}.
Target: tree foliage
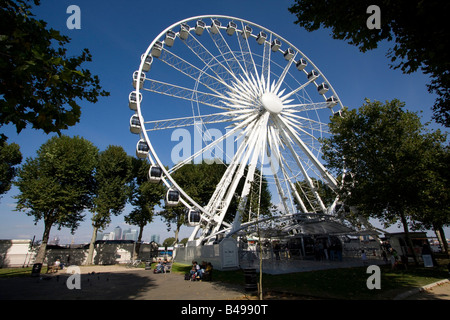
{"x": 57, "y": 185}
{"x": 326, "y": 194}
{"x": 10, "y": 157}
{"x": 387, "y": 166}
{"x": 40, "y": 84}
{"x": 144, "y": 196}
{"x": 418, "y": 29}
{"x": 112, "y": 173}
{"x": 200, "y": 181}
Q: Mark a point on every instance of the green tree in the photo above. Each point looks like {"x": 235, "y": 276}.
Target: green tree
{"x": 144, "y": 196}
{"x": 10, "y": 156}
{"x": 111, "y": 176}
{"x": 433, "y": 211}
{"x": 417, "y": 28}
{"x": 169, "y": 242}
{"x": 199, "y": 181}
{"x": 382, "y": 146}
{"x": 39, "y": 84}
{"x": 326, "y": 194}
{"x": 57, "y": 185}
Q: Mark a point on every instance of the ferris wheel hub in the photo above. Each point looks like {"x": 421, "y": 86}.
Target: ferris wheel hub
{"x": 272, "y": 103}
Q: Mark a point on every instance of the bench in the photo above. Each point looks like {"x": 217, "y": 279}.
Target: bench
{"x": 53, "y": 269}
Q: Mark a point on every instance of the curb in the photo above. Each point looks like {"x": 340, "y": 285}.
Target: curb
{"x": 418, "y": 290}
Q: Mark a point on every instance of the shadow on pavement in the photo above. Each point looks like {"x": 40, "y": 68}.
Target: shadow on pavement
{"x": 102, "y": 286}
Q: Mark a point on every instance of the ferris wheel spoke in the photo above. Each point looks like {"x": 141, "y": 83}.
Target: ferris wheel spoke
{"x": 213, "y": 83}
{"x": 209, "y": 60}
{"x": 231, "y": 133}
{"x": 290, "y": 94}
{"x": 288, "y": 192}
{"x": 305, "y": 107}
{"x": 300, "y": 128}
{"x": 265, "y": 72}
{"x": 308, "y": 196}
{"x": 251, "y": 148}
{"x": 172, "y": 90}
{"x": 189, "y": 121}
{"x": 323, "y": 172}
{"x": 246, "y": 52}
{"x": 283, "y": 75}
{"x": 226, "y": 53}
{"x": 308, "y": 180}
{"x": 307, "y": 123}
{"x": 275, "y": 165}
{"x": 227, "y": 185}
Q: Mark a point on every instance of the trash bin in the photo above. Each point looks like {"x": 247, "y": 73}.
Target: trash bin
{"x": 36, "y": 270}
{"x": 250, "y": 280}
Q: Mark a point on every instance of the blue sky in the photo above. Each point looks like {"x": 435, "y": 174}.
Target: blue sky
{"x": 118, "y": 32}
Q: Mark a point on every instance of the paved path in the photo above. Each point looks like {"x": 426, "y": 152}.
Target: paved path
{"x": 121, "y": 283}
{"x": 116, "y": 283}
{"x": 436, "y": 291}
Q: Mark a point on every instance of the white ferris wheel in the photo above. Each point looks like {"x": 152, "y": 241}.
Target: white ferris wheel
{"x": 231, "y": 79}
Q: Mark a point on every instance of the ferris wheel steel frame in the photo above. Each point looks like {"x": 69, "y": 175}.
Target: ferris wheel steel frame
{"x": 275, "y": 125}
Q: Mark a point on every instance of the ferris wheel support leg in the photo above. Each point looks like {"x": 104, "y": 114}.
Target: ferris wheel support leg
{"x": 251, "y": 147}
{"x": 306, "y": 176}
{"x": 216, "y": 203}
{"x": 326, "y": 175}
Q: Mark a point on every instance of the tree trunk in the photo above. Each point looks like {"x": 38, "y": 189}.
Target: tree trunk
{"x": 40, "y": 257}
{"x": 91, "y": 246}
{"x": 441, "y": 237}
{"x": 408, "y": 238}
{"x": 137, "y": 248}
{"x": 177, "y": 231}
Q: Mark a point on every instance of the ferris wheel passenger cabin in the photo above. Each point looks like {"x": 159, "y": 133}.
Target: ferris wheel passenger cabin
{"x": 216, "y": 24}
{"x": 261, "y": 37}
{"x": 172, "y": 197}
{"x": 157, "y": 49}
{"x": 231, "y": 28}
{"x": 331, "y": 102}
{"x": 313, "y": 75}
{"x": 323, "y": 88}
{"x": 199, "y": 27}
{"x": 289, "y": 54}
{"x": 142, "y": 149}
{"x": 141, "y": 79}
{"x": 247, "y": 32}
{"x": 170, "y": 38}
{"x": 147, "y": 63}
{"x": 276, "y": 44}
{"x": 135, "y": 124}
{"x": 155, "y": 174}
{"x": 192, "y": 217}
{"x": 132, "y": 101}
{"x": 301, "y": 64}
{"x": 184, "y": 31}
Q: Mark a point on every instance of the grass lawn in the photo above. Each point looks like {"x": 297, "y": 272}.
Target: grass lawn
{"x": 347, "y": 284}
{"x": 18, "y": 272}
